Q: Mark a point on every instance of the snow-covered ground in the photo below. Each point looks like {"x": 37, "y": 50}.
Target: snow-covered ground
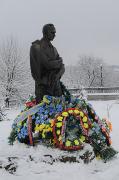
{"x": 43, "y": 163}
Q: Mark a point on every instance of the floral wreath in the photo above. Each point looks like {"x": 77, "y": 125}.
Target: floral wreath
{"x": 59, "y": 129}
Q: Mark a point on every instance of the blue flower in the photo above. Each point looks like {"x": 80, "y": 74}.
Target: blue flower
{"x": 19, "y": 136}
{"x": 59, "y": 107}
{"x": 33, "y": 116}
{"x": 47, "y": 121}
{"x": 38, "y": 113}
{"x": 45, "y": 116}
{"x": 51, "y": 105}
{"x": 41, "y": 110}
{"x": 49, "y": 98}
{"x": 24, "y": 130}
{"x": 23, "y": 133}
{"x": 51, "y": 110}
{"x": 41, "y": 116}
{"x": 38, "y": 121}
{"x": 46, "y": 112}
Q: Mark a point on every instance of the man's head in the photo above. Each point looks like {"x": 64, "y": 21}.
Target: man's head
{"x": 49, "y": 31}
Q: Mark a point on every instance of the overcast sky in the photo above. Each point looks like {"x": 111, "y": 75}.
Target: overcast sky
{"x": 84, "y": 27}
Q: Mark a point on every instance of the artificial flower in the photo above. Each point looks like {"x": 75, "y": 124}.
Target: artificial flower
{"x": 59, "y": 118}
{"x": 65, "y": 114}
{"x": 76, "y": 111}
{"x": 68, "y": 143}
{"x": 84, "y": 119}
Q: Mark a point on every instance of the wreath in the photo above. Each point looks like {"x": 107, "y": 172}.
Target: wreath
{"x": 70, "y": 129}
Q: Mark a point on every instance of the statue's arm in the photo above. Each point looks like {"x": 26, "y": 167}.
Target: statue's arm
{"x": 48, "y": 63}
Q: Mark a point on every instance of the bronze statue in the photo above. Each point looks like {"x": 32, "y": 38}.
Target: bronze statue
{"x": 46, "y": 65}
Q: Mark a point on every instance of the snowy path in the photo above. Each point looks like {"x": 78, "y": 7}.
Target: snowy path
{"x": 38, "y": 163}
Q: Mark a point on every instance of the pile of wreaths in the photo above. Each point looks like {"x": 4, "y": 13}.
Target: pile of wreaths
{"x": 65, "y": 124}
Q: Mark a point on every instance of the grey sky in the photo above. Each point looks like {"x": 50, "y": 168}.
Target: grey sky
{"x": 89, "y": 27}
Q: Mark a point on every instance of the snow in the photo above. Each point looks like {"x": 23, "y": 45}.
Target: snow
{"x": 37, "y": 162}
{"x": 105, "y": 94}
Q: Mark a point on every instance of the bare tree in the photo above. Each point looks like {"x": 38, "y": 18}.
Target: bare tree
{"x": 70, "y": 77}
{"x": 14, "y": 70}
{"x": 91, "y": 71}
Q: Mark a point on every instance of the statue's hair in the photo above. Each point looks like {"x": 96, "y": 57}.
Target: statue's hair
{"x": 46, "y": 27}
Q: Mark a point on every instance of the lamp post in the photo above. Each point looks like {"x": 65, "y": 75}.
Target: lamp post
{"x": 101, "y": 78}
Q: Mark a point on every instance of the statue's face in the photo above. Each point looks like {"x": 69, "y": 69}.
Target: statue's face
{"x": 51, "y": 33}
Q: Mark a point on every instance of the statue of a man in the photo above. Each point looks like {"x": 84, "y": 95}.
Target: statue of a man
{"x": 46, "y": 65}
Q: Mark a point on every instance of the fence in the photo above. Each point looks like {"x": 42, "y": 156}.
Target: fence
{"x": 98, "y": 93}
{"x": 93, "y": 93}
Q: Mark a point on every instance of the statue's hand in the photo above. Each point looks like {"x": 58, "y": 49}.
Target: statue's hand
{"x": 60, "y": 60}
